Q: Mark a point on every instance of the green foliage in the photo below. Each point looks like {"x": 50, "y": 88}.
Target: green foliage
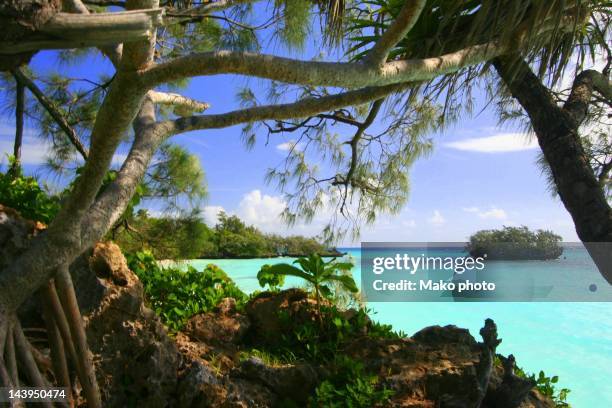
{"x": 184, "y": 237}
{"x": 515, "y": 243}
{"x": 273, "y": 280}
{"x": 176, "y": 173}
{"x": 318, "y": 273}
{"x": 323, "y": 340}
{"x": 445, "y": 26}
{"x": 350, "y": 386}
{"x": 546, "y": 386}
{"x": 25, "y": 195}
{"x": 176, "y": 295}
{"x": 269, "y": 358}
{"x": 296, "y": 22}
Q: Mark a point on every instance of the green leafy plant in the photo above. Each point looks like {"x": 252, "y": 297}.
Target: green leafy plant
{"x": 318, "y": 273}
{"x": 547, "y": 386}
{"x": 176, "y": 295}
{"x": 25, "y": 195}
{"x": 273, "y": 280}
{"x": 350, "y": 386}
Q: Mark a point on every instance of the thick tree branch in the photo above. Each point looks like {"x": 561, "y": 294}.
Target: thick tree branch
{"x": 305, "y": 107}
{"x": 585, "y": 83}
{"x": 111, "y": 204}
{"x": 68, "y": 30}
{"x": 402, "y": 25}
{"x": 53, "y": 111}
{"x": 317, "y": 73}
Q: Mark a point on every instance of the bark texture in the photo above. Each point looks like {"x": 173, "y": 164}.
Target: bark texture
{"x": 556, "y": 129}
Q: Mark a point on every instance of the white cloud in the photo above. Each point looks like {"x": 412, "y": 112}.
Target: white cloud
{"x": 437, "y": 219}
{"x": 211, "y": 214}
{"x": 288, "y": 146}
{"x": 495, "y": 213}
{"x": 503, "y": 142}
{"x": 261, "y": 210}
{"x": 33, "y": 152}
{"x": 492, "y": 213}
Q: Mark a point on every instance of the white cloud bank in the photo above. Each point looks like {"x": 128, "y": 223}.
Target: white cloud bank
{"x": 255, "y": 208}
{"x": 500, "y": 143}
{"x": 492, "y": 213}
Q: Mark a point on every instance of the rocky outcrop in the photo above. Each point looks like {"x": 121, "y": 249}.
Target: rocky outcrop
{"x": 136, "y": 360}
{"x": 295, "y": 382}
{"x": 139, "y": 364}
{"x": 220, "y": 327}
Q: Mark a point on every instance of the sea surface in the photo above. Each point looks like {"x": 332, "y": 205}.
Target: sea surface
{"x": 572, "y": 340}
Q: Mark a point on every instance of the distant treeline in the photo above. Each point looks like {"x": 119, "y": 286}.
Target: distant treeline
{"x": 189, "y": 237}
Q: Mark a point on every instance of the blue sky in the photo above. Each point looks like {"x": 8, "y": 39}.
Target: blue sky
{"x": 479, "y": 175}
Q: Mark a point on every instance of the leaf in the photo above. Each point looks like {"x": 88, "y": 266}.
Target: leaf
{"x": 290, "y": 270}
{"x": 347, "y": 281}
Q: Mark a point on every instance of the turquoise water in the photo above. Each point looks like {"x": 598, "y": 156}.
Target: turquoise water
{"x": 571, "y": 340}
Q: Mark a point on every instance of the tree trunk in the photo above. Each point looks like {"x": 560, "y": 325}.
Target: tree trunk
{"x": 19, "y": 112}
{"x": 556, "y": 129}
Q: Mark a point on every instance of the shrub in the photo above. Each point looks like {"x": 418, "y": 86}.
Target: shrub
{"x": 25, "y": 195}
{"x": 176, "y": 295}
{"x": 350, "y": 386}
{"x": 324, "y": 339}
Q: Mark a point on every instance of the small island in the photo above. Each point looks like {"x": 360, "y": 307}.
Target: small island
{"x": 515, "y": 243}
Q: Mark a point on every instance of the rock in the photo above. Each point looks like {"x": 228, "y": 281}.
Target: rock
{"x": 272, "y": 314}
{"x": 506, "y": 389}
{"x": 294, "y": 382}
{"x": 439, "y": 367}
{"x": 136, "y": 361}
{"x": 201, "y": 387}
{"x": 223, "y": 325}
{"x": 107, "y": 262}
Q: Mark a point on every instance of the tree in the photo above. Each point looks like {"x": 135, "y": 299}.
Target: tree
{"x": 369, "y": 170}
{"x": 570, "y": 33}
{"x": 314, "y": 271}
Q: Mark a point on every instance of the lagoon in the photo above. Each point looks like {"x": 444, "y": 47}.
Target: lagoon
{"x": 572, "y": 340}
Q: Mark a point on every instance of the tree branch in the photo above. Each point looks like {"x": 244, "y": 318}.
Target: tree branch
{"x": 578, "y": 102}
{"x": 402, "y": 25}
{"x": 68, "y": 30}
{"x": 317, "y": 73}
{"x": 111, "y": 203}
{"x": 183, "y": 106}
{"x": 52, "y": 110}
{"x": 305, "y": 107}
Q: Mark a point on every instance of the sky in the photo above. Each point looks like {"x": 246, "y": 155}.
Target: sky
{"x": 480, "y": 176}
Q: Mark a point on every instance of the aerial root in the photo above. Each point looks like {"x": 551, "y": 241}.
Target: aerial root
{"x": 56, "y": 345}
{"x": 84, "y": 360}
